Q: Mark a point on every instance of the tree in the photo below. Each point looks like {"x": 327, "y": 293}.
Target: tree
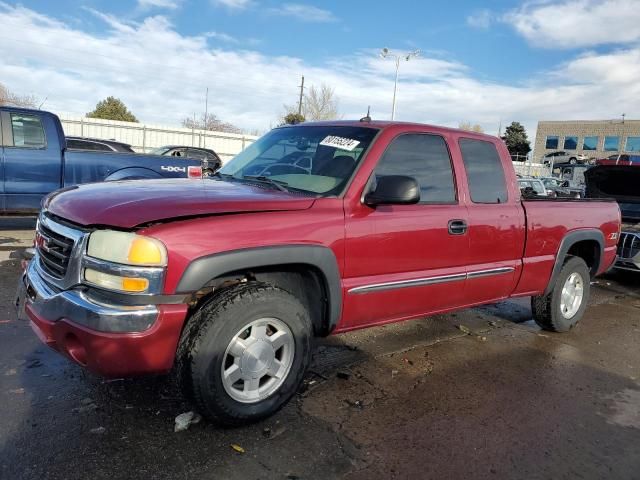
{"x": 516, "y": 139}
{"x": 209, "y": 122}
{"x": 317, "y": 104}
{"x": 9, "y": 98}
{"x": 293, "y": 118}
{"x": 471, "y": 128}
{"x": 112, "y": 108}
{"x": 320, "y": 103}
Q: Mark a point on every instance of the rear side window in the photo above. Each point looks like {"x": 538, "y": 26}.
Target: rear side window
{"x": 484, "y": 171}
{"x": 425, "y": 158}
{"x": 27, "y": 131}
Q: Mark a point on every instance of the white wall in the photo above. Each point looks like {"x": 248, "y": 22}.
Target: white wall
{"x": 144, "y": 137}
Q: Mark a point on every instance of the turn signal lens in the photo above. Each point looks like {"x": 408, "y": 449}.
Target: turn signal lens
{"x": 144, "y": 251}
{"x": 114, "y": 282}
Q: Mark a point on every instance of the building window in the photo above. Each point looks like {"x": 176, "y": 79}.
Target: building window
{"x": 590, "y": 143}
{"x": 611, "y": 144}
{"x": 570, "y": 143}
{"x": 552, "y": 142}
{"x": 633, "y": 144}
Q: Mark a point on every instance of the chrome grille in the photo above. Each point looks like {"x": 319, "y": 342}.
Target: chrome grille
{"x": 54, "y": 251}
{"x": 628, "y": 245}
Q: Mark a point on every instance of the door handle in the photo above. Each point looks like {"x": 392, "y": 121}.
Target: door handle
{"x": 457, "y": 227}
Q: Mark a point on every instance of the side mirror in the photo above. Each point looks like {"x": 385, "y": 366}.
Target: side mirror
{"x": 394, "y": 190}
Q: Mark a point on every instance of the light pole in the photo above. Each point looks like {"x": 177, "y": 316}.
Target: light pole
{"x": 386, "y": 53}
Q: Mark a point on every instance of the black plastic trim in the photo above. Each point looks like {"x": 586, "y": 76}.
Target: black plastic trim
{"x": 204, "y": 269}
{"x": 567, "y": 242}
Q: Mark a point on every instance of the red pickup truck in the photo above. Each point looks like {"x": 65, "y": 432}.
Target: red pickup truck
{"x": 314, "y": 229}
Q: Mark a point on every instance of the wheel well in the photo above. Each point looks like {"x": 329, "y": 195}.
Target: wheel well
{"x": 305, "y": 282}
{"x": 589, "y": 251}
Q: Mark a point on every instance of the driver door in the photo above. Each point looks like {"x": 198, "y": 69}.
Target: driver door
{"x": 405, "y": 261}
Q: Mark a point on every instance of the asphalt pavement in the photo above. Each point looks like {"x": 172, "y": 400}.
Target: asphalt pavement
{"x": 482, "y": 393}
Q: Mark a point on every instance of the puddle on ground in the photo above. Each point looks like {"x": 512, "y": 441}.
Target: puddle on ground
{"x": 624, "y": 408}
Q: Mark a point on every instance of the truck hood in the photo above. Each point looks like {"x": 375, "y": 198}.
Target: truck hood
{"x": 620, "y": 182}
{"x": 128, "y": 204}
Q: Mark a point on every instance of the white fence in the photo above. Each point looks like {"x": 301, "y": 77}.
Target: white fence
{"x": 528, "y": 169}
{"x": 144, "y": 137}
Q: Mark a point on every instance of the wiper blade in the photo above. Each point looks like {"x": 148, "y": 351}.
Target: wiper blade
{"x": 279, "y": 184}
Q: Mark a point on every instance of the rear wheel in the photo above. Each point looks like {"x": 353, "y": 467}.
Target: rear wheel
{"x": 563, "y": 307}
{"x": 572, "y": 161}
{"x": 244, "y": 353}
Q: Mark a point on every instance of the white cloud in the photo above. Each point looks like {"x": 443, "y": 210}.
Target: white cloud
{"x": 168, "y": 4}
{"x": 577, "y": 23}
{"x": 162, "y": 75}
{"x": 306, "y": 13}
{"x": 224, "y": 37}
{"x": 234, "y": 4}
{"x": 481, "y": 19}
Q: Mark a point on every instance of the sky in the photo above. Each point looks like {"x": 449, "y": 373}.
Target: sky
{"x": 489, "y": 62}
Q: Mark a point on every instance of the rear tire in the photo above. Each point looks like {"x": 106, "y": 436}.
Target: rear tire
{"x": 562, "y": 308}
{"x": 573, "y": 161}
{"x": 244, "y": 353}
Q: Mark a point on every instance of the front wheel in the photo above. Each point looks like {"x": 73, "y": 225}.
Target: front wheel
{"x": 573, "y": 161}
{"x": 562, "y": 308}
{"x": 244, "y": 353}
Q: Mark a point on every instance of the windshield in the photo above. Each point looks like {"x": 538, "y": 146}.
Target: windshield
{"x": 314, "y": 159}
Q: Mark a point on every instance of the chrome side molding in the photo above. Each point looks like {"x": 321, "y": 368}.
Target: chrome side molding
{"x": 419, "y": 282}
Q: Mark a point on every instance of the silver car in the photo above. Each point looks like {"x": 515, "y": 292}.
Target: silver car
{"x": 564, "y": 157}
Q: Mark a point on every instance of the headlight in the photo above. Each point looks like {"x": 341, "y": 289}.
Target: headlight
{"x": 127, "y": 248}
{"x": 124, "y": 262}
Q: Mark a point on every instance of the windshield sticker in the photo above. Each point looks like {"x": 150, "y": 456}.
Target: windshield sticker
{"x": 342, "y": 143}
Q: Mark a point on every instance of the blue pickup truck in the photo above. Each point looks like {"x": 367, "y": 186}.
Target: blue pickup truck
{"x": 34, "y": 161}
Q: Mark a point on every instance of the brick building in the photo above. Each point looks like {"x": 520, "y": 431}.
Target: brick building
{"x": 595, "y": 138}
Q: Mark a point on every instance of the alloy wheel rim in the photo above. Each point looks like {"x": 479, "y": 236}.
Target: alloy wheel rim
{"x": 572, "y": 295}
{"x": 257, "y": 360}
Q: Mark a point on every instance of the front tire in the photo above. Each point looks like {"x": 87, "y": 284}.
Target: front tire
{"x": 244, "y": 353}
{"x": 562, "y": 308}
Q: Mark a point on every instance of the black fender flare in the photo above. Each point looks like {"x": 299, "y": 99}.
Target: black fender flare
{"x": 132, "y": 173}
{"x": 567, "y": 242}
{"x": 204, "y": 269}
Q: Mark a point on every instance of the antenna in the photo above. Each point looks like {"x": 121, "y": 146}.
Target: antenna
{"x": 368, "y": 117}
{"x": 45, "y": 99}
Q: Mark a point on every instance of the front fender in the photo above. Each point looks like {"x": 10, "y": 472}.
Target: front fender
{"x": 202, "y": 270}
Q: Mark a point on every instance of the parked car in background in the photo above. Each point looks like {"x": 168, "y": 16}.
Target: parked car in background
{"x": 211, "y": 162}
{"x": 97, "y": 144}
{"x": 622, "y": 183}
{"x": 564, "y": 157}
{"x": 227, "y": 284}
{"x": 571, "y": 176}
{"x": 619, "y": 159}
{"x": 559, "y": 188}
{"x": 36, "y": 161}
{"x": 532, "y": 187}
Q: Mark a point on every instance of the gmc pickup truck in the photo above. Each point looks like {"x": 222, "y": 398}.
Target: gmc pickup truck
{"x": 35, "y": 161}
{"x": 314, "y": 229}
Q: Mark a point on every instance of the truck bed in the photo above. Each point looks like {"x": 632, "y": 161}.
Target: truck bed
{"x": 548, "y": 223}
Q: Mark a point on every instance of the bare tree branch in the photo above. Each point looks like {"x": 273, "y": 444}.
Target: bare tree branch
{"x": 9, "y": 98}
{"x": 211, "y": 122}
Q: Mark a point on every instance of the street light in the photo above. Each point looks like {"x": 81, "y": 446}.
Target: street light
{"x": 386, "y": 53}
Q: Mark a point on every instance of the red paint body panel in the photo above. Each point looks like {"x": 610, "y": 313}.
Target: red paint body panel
{"x": 116, "y": 354}
{"x": 372, "y": 246}
{"x": 128, "y": 204}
